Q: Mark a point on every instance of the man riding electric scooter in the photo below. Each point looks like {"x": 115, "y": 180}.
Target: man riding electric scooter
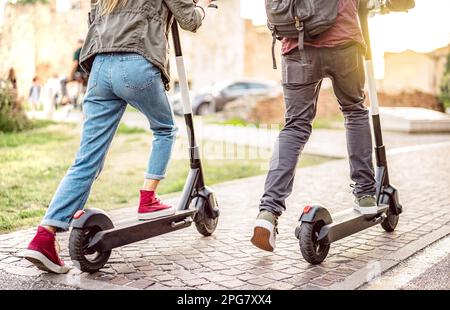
{"x": 336, "y": 53}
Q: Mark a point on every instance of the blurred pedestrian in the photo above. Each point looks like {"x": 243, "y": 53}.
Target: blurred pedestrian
{"x": 12, "y": 78}
{"x": 34, "y": 96}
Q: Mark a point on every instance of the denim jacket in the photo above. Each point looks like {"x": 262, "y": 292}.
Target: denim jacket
{"x": 140, "y": 26}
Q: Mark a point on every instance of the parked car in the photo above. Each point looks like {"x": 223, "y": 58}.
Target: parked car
{"x": 214, "y": 98}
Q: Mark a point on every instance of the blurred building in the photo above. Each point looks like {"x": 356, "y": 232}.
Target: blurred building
{"x": 40, "y": 40}
{"x": 410, "y": 71}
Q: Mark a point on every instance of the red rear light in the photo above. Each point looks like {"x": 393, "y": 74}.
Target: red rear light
{"x": 78, "y": 214}
{"x": 306, "y": 209}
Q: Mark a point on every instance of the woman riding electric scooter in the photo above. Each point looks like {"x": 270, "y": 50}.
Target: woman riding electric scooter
{"x": 126, "y": 55}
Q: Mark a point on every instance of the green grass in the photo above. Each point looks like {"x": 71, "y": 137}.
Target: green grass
{"x": 126, "y": 130}
{"x": 235, "y": 122}
{"x": 327, "y": 122}
{"x": 319, "y": 122}
{"x": 32, "y": 164}
{"x": 32, "y": 137}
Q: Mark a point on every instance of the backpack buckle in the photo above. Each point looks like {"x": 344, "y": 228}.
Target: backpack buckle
{"x": 298, "y": 24}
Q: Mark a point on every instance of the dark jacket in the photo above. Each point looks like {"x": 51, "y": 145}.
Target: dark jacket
{"x": 141, "y": 26}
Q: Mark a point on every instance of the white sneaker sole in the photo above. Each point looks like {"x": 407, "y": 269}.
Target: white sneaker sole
{"x": 263, "y": 235}
{"x": 156, "y": 214}
{"x": 367, "y": 210}
{"x": 43, "y": 263}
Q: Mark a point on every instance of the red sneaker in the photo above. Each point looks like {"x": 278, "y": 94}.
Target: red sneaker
{"x": 150, "y": 207}
{"x": 42, "y": 252}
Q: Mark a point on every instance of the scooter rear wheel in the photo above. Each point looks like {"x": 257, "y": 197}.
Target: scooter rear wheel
{"x": 84, "y": 259}
{"x": 313, "y": 251}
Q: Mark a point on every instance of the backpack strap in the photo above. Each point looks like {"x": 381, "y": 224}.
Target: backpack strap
{"x": 274, "y": 60}
{"x": 301, "y": 33}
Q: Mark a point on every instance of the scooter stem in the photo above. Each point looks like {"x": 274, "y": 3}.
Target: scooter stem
{"x": 380, "y": 150}
{"x": 194, "y": 153}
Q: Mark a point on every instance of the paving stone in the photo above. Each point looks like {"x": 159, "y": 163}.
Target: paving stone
{"x": 11, "y": 259}
{"x": 164, "y": 277}
{"x": 120, "y": 280}
{"x": 231, "y": 272}
{"x": 261, "y": 281}
{"x": 123, "y": 268}
{"x": 211, "y": 287}
{"x": 196, "y": 282}
{"x": 157, "y": 286}
{"x": 135, "y": 275}
{"x": 278, "y": 276}
{"x": 233, "y": 283}
{"x": 280, "y": 286}
{"x": 141, "y": 284}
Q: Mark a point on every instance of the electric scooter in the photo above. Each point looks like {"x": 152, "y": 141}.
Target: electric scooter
{"x": 94, "y": 235}
{"x": 317, "y": 228}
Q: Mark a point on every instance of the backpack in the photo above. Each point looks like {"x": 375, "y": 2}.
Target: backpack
{"x": 302, "y": 19}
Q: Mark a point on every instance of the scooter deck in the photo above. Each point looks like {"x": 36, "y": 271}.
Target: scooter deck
{"x": 349, "y": 222}
{"x": 138, "y": 230}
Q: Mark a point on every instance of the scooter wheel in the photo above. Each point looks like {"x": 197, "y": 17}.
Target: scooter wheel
{"x": 390, "y": 222}
{"x": 84, "y": 259}
{"x": 205, "y": 224}
{"x": 313, "y": 252}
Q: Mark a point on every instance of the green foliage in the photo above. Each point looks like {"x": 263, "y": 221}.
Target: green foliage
{"x": 29, "y": 1}
{"x": 445, "y": 86}
{"x": 12, "y": 118}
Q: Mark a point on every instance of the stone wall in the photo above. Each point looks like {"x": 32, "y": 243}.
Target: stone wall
{"x": 409, "y": 71}
{"x": 258, "y": 53}
{"x": 36, "y": 40}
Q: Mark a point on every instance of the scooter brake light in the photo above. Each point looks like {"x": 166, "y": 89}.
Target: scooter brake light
{"x": 78, "y": 214}
{"x": 306, "y": 209}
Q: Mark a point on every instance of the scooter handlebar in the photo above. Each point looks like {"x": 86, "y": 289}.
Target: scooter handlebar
{"x": 213, "y": 6}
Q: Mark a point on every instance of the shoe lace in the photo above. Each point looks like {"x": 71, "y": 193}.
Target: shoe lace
{"x": 365, "y": 196}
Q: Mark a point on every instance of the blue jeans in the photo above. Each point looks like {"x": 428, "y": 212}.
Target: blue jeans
{"x": 115, "y": 80}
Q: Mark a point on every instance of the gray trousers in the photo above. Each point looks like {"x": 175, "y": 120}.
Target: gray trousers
{"x": 303, "y": 73}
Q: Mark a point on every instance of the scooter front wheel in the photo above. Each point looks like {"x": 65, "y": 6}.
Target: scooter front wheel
{"x": 84, "y": 259}
{"x": 204, "y": 222}
{"x": 390, "y": 222}
{"x": 207, "y": 226}
{"x": 313, "y": 251}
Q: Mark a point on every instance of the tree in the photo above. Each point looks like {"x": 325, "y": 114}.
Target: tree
{"x": 445, "y": 85}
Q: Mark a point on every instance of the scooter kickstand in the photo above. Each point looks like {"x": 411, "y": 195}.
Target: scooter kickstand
{"x": 182, "y": 223}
